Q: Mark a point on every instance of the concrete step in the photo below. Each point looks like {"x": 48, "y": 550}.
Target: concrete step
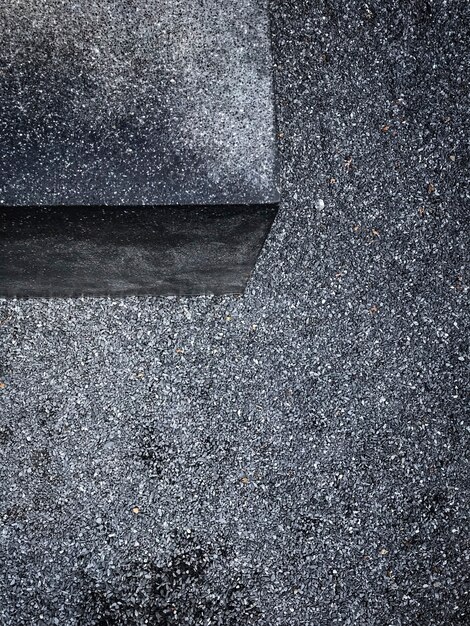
{"x": 164, "y": 107}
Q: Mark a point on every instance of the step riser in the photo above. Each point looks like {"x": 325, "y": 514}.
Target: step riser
{"x": 131, "y": 251}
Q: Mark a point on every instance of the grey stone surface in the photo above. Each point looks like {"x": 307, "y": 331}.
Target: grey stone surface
{"x": 299, "y": 455}
{"x": 136, "y": 102}
{"x": 123, "y": 251}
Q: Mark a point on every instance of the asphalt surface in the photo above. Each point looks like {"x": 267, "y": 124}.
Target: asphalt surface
{"x": 298, "y": 455}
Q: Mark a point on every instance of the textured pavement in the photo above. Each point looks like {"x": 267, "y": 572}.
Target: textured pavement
{"x": 136, "y": 102}
{"x": 297, "y": 456}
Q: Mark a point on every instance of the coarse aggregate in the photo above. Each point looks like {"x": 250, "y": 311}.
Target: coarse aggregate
{"x": 136, "y": 102}
{"x": 296, "y": 456}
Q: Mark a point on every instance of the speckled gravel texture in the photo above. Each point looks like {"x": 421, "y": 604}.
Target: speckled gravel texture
{"x": 136, "y": 102}
{"x": 298, "y": 455}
